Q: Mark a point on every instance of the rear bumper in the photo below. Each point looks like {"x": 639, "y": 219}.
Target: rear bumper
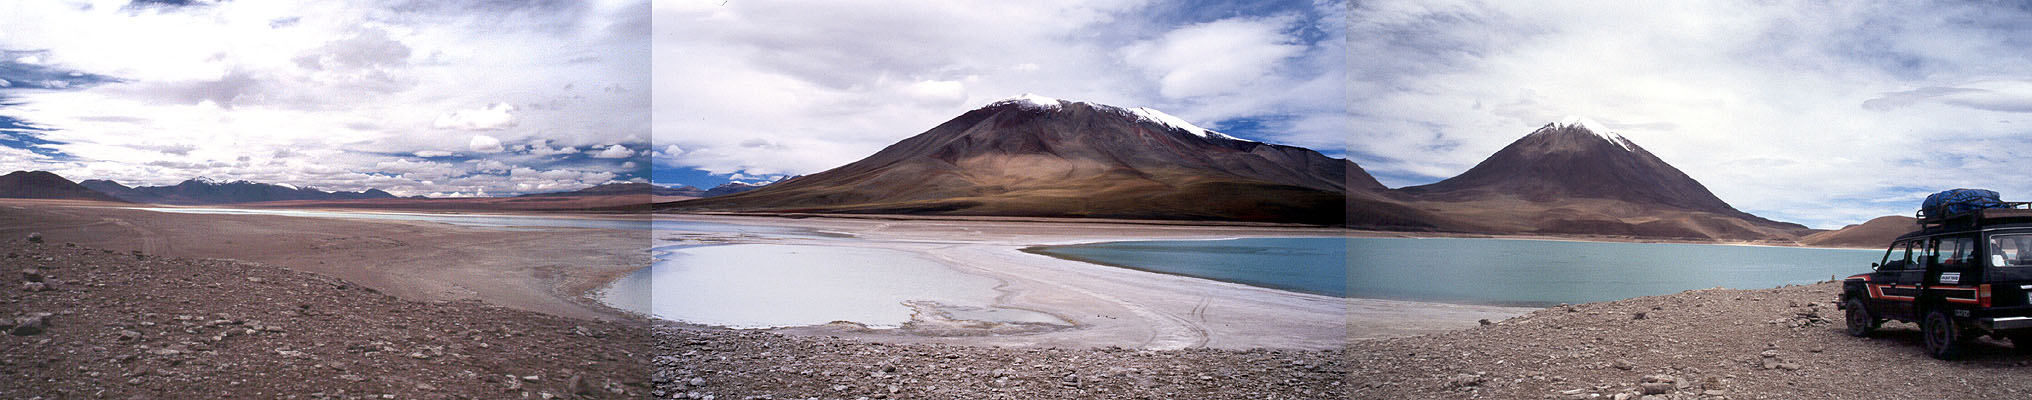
{"x": 2006, "y": 323}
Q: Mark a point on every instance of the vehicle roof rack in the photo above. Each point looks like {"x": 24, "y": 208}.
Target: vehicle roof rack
{"x": 2012, "y": 211}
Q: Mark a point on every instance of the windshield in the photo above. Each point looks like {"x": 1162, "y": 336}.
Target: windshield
{"x": 2013, "y": 250}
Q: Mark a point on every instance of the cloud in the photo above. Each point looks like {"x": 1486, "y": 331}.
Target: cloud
{"x": 937, "y": 92}
{"x": 2003, "y": 96}
{"x": 542, "y": 148}
{"x": 1214, "y": 58}
{"x": 326, "y": 94}
{"x": 486, "y": 119}
{"x": 484, "y": 144}
{"x": 615, "y": 151}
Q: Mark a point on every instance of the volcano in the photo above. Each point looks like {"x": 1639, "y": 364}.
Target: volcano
{"x": 1574, "y": 176}
{"x": 1042, "y": 157}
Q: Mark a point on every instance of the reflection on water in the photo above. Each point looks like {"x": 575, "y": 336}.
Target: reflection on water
{"x": 1485, "y": 271}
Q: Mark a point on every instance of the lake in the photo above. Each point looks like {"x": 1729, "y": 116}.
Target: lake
{"x": 1477, "y": 271}
{"x": 779, "y": 285}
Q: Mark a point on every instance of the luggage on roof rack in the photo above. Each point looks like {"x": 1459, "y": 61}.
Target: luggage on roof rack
{"x": 1970, "y": 206}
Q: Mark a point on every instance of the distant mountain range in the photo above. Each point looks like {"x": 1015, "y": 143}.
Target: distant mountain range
{"x": 1037, "y": 156}
{"x": 638, "y": 188}
{"x": 201, "y": 191}
{"x": 45, "y": 185}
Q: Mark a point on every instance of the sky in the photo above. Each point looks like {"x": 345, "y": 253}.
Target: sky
{"x": 416, "y": 97}
{"x": 1823, "y": 114}
{"x": 1813, "y": 112}
{"x": 756, "y": 90}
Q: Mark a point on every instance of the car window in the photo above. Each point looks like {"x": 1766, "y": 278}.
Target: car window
{"x": 1898, "y": 257}
{"x": 2011, "y": 250}
{"x": 1957, "y": 253}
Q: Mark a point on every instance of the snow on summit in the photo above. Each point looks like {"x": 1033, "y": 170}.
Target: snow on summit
{"x": 1159, "y": 117}
{"x": 1030, "y": 100}
{"x": 1584, "y": 123}
{"x": 1141, "y": 113}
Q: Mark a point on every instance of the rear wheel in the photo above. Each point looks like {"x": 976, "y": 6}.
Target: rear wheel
{"x": 1861, "y": 323}
{"x": 1944, "y": 339}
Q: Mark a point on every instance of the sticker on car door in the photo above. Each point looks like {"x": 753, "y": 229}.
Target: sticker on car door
{"x": 1950, "y": 278}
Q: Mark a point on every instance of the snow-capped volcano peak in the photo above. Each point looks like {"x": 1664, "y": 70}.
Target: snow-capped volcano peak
{"x": 1151, "y": 115}
{"x": 208, "y": 180}
{"x": 1030, "y": 100}
{"x": 1159, "y": 117}
{"x": 1586, "y": 124}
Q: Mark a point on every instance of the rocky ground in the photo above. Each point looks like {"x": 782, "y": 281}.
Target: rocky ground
{"x": 88, "y": 323}
{"x": 1783, "y": 343}
{"x": 721, "y": 364}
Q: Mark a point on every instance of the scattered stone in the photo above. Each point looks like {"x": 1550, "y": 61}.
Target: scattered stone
{"x": 35, "y": 237}
{"x": 1464, "y": 380}
{"x": 34, "y": 286}
{"x": 32, "y": 324}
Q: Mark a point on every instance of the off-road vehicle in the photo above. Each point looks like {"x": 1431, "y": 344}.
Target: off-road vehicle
{"x": 1963, "y": 275}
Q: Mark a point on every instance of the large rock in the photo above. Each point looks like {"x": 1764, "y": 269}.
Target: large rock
{"x": 32, "y": 324}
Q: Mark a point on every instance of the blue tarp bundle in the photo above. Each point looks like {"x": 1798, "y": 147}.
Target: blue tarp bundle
{"x": 1958, "y": 201}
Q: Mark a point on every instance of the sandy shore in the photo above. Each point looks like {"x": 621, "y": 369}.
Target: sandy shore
{"x": 545, "y": 271}
{"x": 554, "y": 271}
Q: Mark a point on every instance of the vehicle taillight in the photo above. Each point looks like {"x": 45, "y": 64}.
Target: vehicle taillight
{"x": 1983, "y": 294}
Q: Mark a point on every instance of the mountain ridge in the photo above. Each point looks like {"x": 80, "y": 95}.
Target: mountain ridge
{"x": 1038, "y": 156}
{"x": 47, "y": 185}
{"x": 204, "y": 191}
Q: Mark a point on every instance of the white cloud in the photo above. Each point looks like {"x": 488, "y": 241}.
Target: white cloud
{"x": 615, "y": 151}
{"x": 1217, "y": 57}
{"x": 542, "y": 148}
{"x": 484, "y": 144}
{"x": 491, "y": 166}
{"x": 943, "y": 93}
{"x": 486, "y": 119}
{"x": 324, "y": 101}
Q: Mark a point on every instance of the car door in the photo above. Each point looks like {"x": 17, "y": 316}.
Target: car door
{"x": 1951, "y": 275}
{"x": 2009, "y": 258}
{"x": 1895, "y": 284}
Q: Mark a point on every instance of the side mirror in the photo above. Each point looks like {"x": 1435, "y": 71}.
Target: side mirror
{"x": 1874, "y": 266}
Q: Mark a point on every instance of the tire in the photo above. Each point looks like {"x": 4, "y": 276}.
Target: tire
{"x": 1944, "y": 338}
{"x": 1861, "y": 323}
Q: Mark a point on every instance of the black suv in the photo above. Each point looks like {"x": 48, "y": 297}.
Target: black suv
{"x": 1959, "y": 277}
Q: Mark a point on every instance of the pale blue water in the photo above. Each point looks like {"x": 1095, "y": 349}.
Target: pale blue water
{"x": 1480, "y": 271}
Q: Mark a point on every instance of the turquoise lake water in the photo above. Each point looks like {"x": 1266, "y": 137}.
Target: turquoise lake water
{"x": 1478, "y": 271}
